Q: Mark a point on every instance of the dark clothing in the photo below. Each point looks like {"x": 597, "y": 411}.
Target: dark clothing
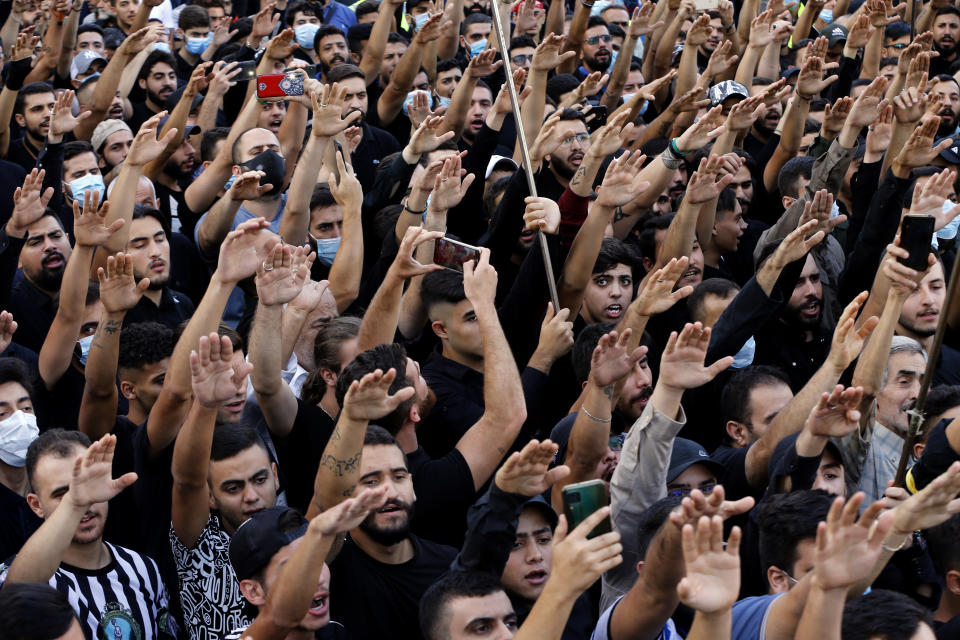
{"x": 11, "y": 177}
{"x": 734, "y": 477}
{"x": 937, "y": 457}
{"x": 300, "y": 450}
{"x": 173, "y": 309}
{"x": 950, "y": 629}
{"x": 445, "y": 490}
{"x": 22, "y": 152}
{"x": 141, "y": 113}
{"x": 171, "y": 203}
{"x": 948, "y": 367}
{"x": 374, "y": 146}
{"x": 378, "y": 600}
{"x": 34, "y": 311}
{"x": 184, "y": 69}
{"x": 784, "y": 346}
{"x": 17, "y": 521}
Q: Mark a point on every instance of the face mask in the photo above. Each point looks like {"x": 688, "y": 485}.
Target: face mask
{"x": 327, "y": 249}
{"x": 90, "y": 182}
{"x": 196, "y": 46}
{"x": 305, "y": 33}
{"x": 85, "y": 348}
{"x": 421, "y": 20}
{"x": 273, "y": 166}
{"x": 477, "y": 47}
{"x": 949, "y": 232}
{"x": 408, "y": 102}
{"x": 826, "y": 15}
{"x": 613, "y": 58}
{"x": 229, "y": 183}
{"x": 834, "y": 210}
{"x": 442, "y": 102}
{"x": 16, "y": 433}
{"x": 744, "y": 357}
{"x": 162, "y": 46}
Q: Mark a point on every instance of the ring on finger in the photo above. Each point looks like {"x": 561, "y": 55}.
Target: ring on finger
{"x": 267, "y": 266}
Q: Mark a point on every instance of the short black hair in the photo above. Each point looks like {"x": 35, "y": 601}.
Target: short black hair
{"x": 890, "y": 61}
{"x": 434, "y": 615}
{"x": 447, "y": 64}
{"x": 302, "y": 6}
{"x": 726, "y": 201}
{"x": 143, "y": 343}
{"x": 34, "y": 611}
{"x": 356, "y": 35}
{"x": 939, "y": 400}
{"x": 383, "y": 357}
{"x": 441, "y": 286}
{"x": 943, "y": 547}
{"x": 647, "y": 240}
{"x": 474, "y": 18}
{"x": 156, "y": 57}
{"x": 735, "y": 399}
{"x": 582, "y": 353}
{"x": 784, "y": 520}
{"x": 29, "y": 90}
{"x": 92, "y": 27}
{"x": 596, "y": 21}
{"x": 341, "y": 72}
{"x": 788, "y": 181}
{"x": 883, "y": 614}
{"x": 652, "y": 520}
{"x": 74, "y": 148}
{"x": 193, "y": 16}
{"x": 325, "y": 31}
{"x": 950, "y": 9}
{"x": 393, "y": 37}
{"x": 720, "y": 287}
{"x": 231, "y": 439}
{"x": 322, "y": 197}
{"x": 16, "y": 370}
{"x": 521, "y": 41}
{"x": 367, "y": 6}
{"x": 560, "y": 84}
{"x": 612, "y": 253}
{"x": 61, "y": 443}
{"x": 896, "y": 30}
{"x": 209, "y": 140}
{"x": 145, "y": 211}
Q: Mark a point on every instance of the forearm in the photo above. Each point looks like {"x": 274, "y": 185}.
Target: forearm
{"x": 8, "y": 98}
{"x": 339, "y": 469}
{"x": 57, "y": 350}
{"x": 618, "y": 77}
{"x": 822, "y": 615}
{"x": 574, "y": 41}
{"x": 801, "y": 29}
{"x": 456, "y": 116}
{"x": 347, "y": 268}
{"x": 873, "y": 361}
{"x": 40, "y": 556}
{"x": 122, "y": 202}
{"x": 770, "y": 61}
{"x": 379, "y": 324}
{"x": 748, "y": 65}
{"x": 748, "y": 11}
{"x": 140, "y": 20}
{"x": 376, "y": 45}
{"x": 531, "y": 111}
{"x": 401, "y": 82}
{"x": 216, "y": 225}
{"x": 450, "y": 40}
{"x": 680, "y": 234}
{"x": 549, "y": 615}
{"x": 711, "y": 626}
{"x": 100, "y": 374}
{"x": 207, "y": 116}
{"x": 870, "y": 68}
{"x": 266, "y": 350}
{"x": 590, "y": 436}
{"x": 578, "y": 267}
{"x": 792, "y": 124}
{"x": 10, "y": 29}
{"x": 296, "y": 216}
{"x": 665, "y": 47}
{"x": 70, "y": 38}
{"x": 176, "y": 120}
{"x": 687, "y": 72}
{"x": 901, "y": 133}
{"x": 127, "y": 80}
{"x": 292, "y": 130}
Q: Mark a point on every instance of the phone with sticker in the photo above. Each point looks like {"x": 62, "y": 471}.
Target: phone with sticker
{"x": 280, "y": 85}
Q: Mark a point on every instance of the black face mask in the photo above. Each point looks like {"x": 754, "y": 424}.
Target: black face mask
{"x": 273, "y": 167}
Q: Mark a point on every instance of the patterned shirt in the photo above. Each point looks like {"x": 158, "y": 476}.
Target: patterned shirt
{"x": 125, "y": 600}
{"x": 209, "y": 591}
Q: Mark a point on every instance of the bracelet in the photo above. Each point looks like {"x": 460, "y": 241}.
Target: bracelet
{"x": 413, "y": 211}
{"x": 670, "y": 161}
{"x": 593, "y": 417}
{"x": 803, "y": 97}
{"x": 894, "y": 550}
{"x": 673, "y": 147}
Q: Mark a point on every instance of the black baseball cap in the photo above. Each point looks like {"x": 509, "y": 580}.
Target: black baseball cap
{"x": 260, "y": 537}
{"x": 687, "y": 453}
{"x": 540, "y": 504}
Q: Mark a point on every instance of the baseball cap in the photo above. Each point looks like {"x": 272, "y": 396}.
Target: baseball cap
{"x": 723, "y": 90}
{"x": 952, "y": 153}
{"x": 82, "y": 61}
{"x": 189, "y": 129}
{"x": 260, "y": 537}
{"x": 835, "y": 34}
{"x": 789, "y": 72}
{"x": 112, "y": 38}
{"x": 499, "y": 162}
{"x": 540, "y": 504}
{"x": 106, "y": 129}
{"x": 687, "y": 453}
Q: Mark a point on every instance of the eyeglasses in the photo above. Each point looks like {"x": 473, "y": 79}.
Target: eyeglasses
{"x": 595, "y": 40}
{"x": 522, "y": 59}
{"x": 682, "y": 492}
{"x": 789, "y": 577}
{"x": 898, "y": 45}
{"x": 616, "y": 442}
{"x": 582, "y": 138}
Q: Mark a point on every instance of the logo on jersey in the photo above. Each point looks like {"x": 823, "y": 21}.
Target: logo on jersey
{"x": 117, "y": 624}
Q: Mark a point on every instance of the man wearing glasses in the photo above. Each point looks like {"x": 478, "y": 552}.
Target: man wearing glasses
{"x": 595, "y": 54}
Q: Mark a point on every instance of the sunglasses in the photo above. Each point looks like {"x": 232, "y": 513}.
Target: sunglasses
{"x": 522, "y": 59}
{"x": 595, "y": 40}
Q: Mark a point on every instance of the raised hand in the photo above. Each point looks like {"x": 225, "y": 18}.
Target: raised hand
{"x": 244, "y": 250}
{"x": 547, "y": 139}
{"x": 700, "y": 133}
{"x": 280, "y": 278}
{"x": 871, "y": 101}
{"x": 425, "y": 138}
{"x": 92, "y": 481}
{"x": 139, "y": 40}
{"x": 693, "y": 100}
{"x": 405, "y": 265}
{"x": 610, "y": 360}
{"x": 848, "y": 547}
{"x": 482, "y": 64}
{"x": 743, "y": 114}
{"x": 880, "y": 134}
{"x": 24, "y": 46}
{"x": 819, "y": 209}
{"x": 860, "y": 32}
{"x": 835, "y": 115}
{"x": 796, "y": 245}
{"x": 682, "y": 365}
{"x": 556, "y": 335}
{"x": 640, "y": 20}
{"x": 622, "y": 181}
{"x": 63, "y": 120}
{"x": 350, "y": 513}
{"x": 696, "y": 505}
{"x": 649, "y": 90}
{"x": 529, "y": 18}
{"x": 432, "y": 29}
{"x": 29, "y": 203}
{"x": 480, "y": 280}
{"x": 119, "y": 292}
{"x": 88, "y": 226}
{"x": 281, "y": 46}
{"x": 247, "y": 186}
{"x": 903, "y": 279}
{"x": 592, "y": 85}
{"x": 835, "y": 414}
{"x": 579, "y": 561}
{"x": 932, "y": 505}
{"x": 928, "y": 198}
{"x": 547, "y": 55}
{"x": 761, "y": 32}
{"x": 327, "y": 107}
{"x": 541, "y": 214}
{"x": 712, "y": 582}
{"x": 811, "y": 82}
{"x": 145, "y": 147}
{"x": 448, "y": 189}
{"x": 223, "y": 77}
{"x": 721, "y": 60}
{"x": 8, "y": 326}
{"x": 264, "y": 22}
{"x": 214, "y": 378}
{"x": 502, "y": 103}
{"x": 847, "y": 342}
{"x": 706, "y": 183}
{"x": 656, "y": 293}
{"x": 909, "y": 105}
{"x": 527, "y": 472}
{"x": 699, "y": 32}
{"x": 369, "y": 398}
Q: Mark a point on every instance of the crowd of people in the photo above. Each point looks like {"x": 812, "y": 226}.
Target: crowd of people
{"x": 251, "y": 387}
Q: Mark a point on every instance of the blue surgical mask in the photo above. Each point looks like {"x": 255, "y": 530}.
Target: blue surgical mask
{"x": 408, "y": 102}
{"x": 476, "y": 48}
{"x": 90, "y": 182}
{"x": 826, "y": 15}
{"x": 162, "y": 46}
{"x": 949, "y": 232}
{"x": 627, "y": 97}
{"x": 442, "y": 102}
{"x": 613, "y": 58}
{"x": 327, "y": 249}
{"x": 834, "y": 210}
{"x": 196, "y": 46}
{"x": 85, "y": 348}
{"x": 744, "y": 357}
{"x": 421, "y": 19}
{"x": 305, "y": 33}
{"x": 229, "y": 183}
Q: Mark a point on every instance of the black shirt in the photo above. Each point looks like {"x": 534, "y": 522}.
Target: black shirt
{"x": 734, "y": 478}
{"x": 377, "y": 600}
{"x": 374, "y": 146}
{"x": 141, "y": 113}
{"x": 173, "y": 309}
{"x": 445, "y": 491}
{"x": 34, "y": 312}
{"x": 23, "y": 153}
{"x": 299, "y": 452}
{"x": 17, "y": 521}
{"x": 784, "y": 346}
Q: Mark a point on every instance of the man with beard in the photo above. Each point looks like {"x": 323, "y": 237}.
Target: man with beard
{"x": 375, "y": 143}
{"x": 32, "y": 111}
{"x": 946, "y": 39}
{"x": 158, "y": 79}
{"x": 330, "y": 47}
{"x": 595, "y": 54}
{"x": 919, "y": 317}
{"x": 175, "y": 177}
{"x": 573, "y": 141}
{"x": 149, "y": 248}
{"x": 764, "y": 126}
{"x": 947, "y": 87}
{"x": 111, "y": 142}
{"x": 110, "y": 587}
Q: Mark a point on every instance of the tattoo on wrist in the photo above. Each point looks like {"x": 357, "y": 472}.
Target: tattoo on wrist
{"x": 608, "y": 391}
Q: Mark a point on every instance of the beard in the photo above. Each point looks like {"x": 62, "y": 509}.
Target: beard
{"x": 172, "y": 168}
{"x": 157, "y": 282}
{"x": 918, "y": 331}
{"x": 388, "y": 536}
{"x": 156, "y": 98}
{"x": 594, "y": 64}
{"x": 945, "y": 51}
{"x": 794, "y": 317}
{"x": 50, "y": 279}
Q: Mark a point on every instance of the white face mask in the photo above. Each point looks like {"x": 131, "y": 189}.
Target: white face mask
{"x": 16, "y": 433}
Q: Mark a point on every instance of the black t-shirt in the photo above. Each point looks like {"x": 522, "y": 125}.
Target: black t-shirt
{"x": 734, "y": 479}
{"x": 375, "y": 145}
{"x": 141, "y": 113}
{"x": 300, "y": 451}
{"x": 377, "y": 600}
{"x": 121, "y": 527}
{"x": 445, "y": 492}
{"x": 17, "y": 522}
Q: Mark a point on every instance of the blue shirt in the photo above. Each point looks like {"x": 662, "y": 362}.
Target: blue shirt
{"x": 750, "y": 617}
{"x": 339, "y": 15}
{"x": 602, "y": 630}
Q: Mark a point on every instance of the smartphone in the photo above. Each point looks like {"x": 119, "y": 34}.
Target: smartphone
{"x": 706, "y": 5}
{"x": 596, "y": 117}
{"x": 279, "y": 85}
{"x": 311, "y": 70}
{"x": 582, "y": 499}
{"x": 248, "y": 70}
{"x": 916, "y": 233}
{"x": 451, "y": 254}
{"x": 338, "y": 148}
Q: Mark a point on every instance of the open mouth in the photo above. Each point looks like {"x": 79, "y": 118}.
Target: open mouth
{"x": 811, "y": 308}
{"x": 690, "y": 274}
{"x": 536, "y": 577}
{"x": 390, "y": 508}
{"x": 476, "y": 124}
{"x": 235, "y": 406}
{"x": 575, "y": 159}
{"x": 319, "y": 605}
{"x": 53, "y": 261}
{"x": 116, "y": 111}
{"x": 644, "y": 396}
{"x": 274, "y": 125}
{"x": 613, "y": 310}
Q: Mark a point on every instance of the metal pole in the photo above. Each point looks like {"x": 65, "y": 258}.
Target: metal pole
{"x": 916, "y": 413}
{"x": 524, "y": 150}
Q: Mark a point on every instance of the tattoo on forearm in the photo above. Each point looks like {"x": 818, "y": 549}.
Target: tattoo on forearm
{"x": 340, "y": 467}
{"x": 112, "y": 326}
{"x": 619, "y": 215}
{"x": 608, "y": 391}
{"x": 578, "y": 177}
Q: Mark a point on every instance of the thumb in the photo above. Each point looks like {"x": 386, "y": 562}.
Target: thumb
{"x": 142, "y": 286}
{"x": 549, "y": 315}
{"x": 125, "y": 480}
